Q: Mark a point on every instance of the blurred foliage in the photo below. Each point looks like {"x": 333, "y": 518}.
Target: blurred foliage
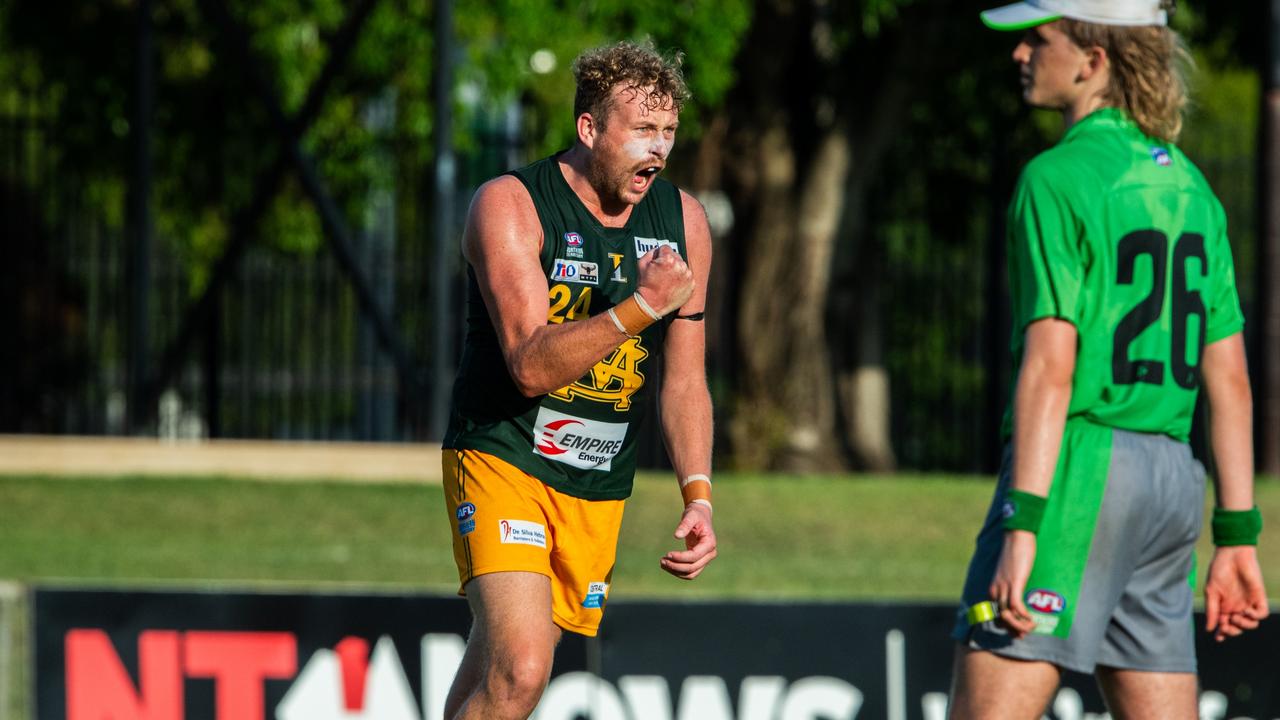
{"x": 211, "y": 136}
{"x": 934, "y": 213}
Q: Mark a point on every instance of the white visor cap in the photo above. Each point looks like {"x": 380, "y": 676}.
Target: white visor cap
{"x": 1022, "y": 15}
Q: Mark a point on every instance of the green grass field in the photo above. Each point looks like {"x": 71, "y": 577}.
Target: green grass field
{"x": 906, "y": 537}
{"x": 840, "y": 537}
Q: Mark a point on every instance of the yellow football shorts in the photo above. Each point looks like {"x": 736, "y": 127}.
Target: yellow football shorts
{"x": 504, "y": 520}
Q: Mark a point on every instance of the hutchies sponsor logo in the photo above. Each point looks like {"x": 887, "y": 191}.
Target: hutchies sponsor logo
{"x": 522, "y": 532}
{"x": 580, "y": 442}
{"x": 466, "y": 518}
{"x": 1046, "y": 601}
{"x": 577, "y": 271}
{"x": 596, "y": 593}
{"x": 644, "y": 245}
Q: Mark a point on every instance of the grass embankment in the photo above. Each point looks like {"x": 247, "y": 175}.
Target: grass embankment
{"x": 846, "y": 537}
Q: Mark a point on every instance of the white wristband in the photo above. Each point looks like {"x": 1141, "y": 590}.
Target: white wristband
{"x": 618, "y": 323}
{"x": 695, "y": 478}
{"x": 646, "y": 307}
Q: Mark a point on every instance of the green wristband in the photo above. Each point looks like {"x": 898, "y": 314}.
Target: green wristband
{"x": 1023, "y": 511}
{"x": 1236, "y": 527}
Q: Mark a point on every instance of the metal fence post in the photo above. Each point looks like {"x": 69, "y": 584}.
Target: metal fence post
{"x": 446, "y": 248}
{"x": 13, "y": 701}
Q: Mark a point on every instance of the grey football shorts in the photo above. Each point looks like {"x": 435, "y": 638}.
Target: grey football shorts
{"x": 1130, "y": 599}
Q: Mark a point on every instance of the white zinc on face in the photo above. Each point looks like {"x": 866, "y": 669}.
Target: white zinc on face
{"x": 632, "y": 145}
{"x": 639, "y": 149}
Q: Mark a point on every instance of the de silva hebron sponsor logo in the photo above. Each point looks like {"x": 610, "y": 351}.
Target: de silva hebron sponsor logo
{"x": 580, "y": 442}
{"x": 522, "y": 532}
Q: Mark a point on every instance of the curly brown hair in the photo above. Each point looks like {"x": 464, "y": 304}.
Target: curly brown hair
{"x": 640, "y": 66}
{"x": 1149, "y": 67}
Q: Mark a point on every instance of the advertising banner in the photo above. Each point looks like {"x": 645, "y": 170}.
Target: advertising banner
{"x": 153, "y": 655}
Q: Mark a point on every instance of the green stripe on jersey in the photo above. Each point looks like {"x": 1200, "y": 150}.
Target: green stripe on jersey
{"x": 1066, "y": 532}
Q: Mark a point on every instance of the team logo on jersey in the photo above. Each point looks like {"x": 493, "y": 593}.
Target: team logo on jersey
{"x": 576, "y": 271}
{"x": 613, "y": 380}
{"x": 522, "y": 532}
{"x": 616, "y": 259}
{"x": 644, "y": 245}
{"x": 596, "y": 593}
{"x": 1046, "y": 601}
{"x": 578, "y": 442}
{"x": 1161, "y": 157}
{"x": 573, "y": 245}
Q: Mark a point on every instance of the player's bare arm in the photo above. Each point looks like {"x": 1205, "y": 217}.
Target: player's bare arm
{"x": 685, "y": 403}
{"x": 502, "y": 241}
{"x": 1235, "y": 597}
{"x": 1040, "y": 406}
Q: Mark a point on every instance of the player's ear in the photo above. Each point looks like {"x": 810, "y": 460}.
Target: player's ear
{"x": 587, "y": 129}
{"x": 1095, "y": 61}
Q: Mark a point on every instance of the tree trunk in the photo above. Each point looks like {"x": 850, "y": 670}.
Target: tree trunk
{"x": 785, "y": 419}
{"x": 786, "y": 168}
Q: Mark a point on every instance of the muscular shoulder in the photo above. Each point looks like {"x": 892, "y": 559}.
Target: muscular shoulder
{"x": 695, "y": 215}
{"x": 502, "y": 211}
{"x": 504, "y": 194}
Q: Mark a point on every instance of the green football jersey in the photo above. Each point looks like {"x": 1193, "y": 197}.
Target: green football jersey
{"x": 1120, "y": 235}
{"x": 581, "y": 439}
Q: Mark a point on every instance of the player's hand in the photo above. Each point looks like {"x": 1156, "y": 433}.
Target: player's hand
{"x": 699, "y": 542}
{"x": 1016, "y": 559}
{"x": 666, "y": 282}
{"x": 1234, "y": 597}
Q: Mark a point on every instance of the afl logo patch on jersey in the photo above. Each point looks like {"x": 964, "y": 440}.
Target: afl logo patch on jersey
{"x": 573, "y": 245}
{"x": 1046, "y": 601}
{"x": 576, "y": 271}
{"x": 1161, "y": 157}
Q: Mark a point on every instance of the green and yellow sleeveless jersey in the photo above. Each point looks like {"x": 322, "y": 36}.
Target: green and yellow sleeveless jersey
{"x": 1120, "y": 235}
{"x": 582, "y": 438}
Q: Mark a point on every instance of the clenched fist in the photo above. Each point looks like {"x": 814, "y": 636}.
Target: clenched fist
{"x": 666, "y": 282}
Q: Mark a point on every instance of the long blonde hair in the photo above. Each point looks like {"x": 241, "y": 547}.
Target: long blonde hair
{"x": 1149, "y": 69}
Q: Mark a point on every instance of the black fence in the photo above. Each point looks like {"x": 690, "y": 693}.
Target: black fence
{"x": 287, "y": 354}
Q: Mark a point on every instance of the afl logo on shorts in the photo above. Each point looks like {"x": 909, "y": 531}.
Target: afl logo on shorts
{"x": 1046, "y": 601}
{"x": 465, "y": 510}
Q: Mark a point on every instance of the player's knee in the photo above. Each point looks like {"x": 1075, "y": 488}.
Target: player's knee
{"x": 518, "y": 680}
